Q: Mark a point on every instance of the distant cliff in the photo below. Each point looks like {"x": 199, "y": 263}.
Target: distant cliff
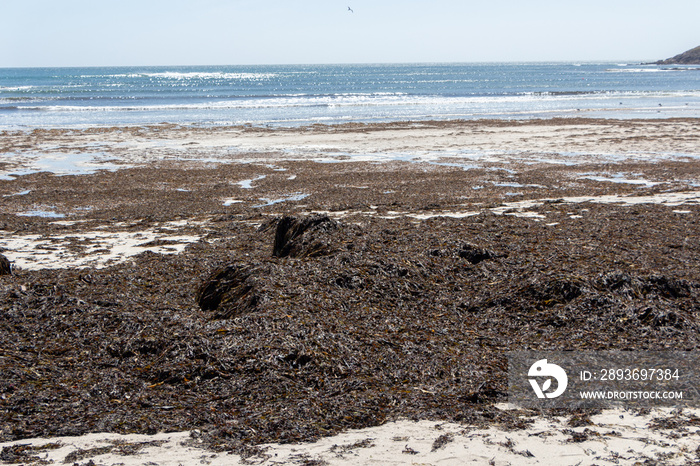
{"x": 691, "y": 57}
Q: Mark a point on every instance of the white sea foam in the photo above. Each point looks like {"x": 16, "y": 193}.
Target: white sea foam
{"x": 16, "y": 88}
{"x": 180, "y": 75}
{"x": 639, "y": 70}
{"x": 494, "y": 104}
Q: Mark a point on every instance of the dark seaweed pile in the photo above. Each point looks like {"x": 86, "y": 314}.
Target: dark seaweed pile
{"x": 356, "y": 324}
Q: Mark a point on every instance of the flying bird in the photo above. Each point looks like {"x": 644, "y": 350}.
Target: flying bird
{"x": 350, "y": 10}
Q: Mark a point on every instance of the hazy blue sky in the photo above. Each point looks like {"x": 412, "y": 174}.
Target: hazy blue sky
{"x": 220, "y": 32}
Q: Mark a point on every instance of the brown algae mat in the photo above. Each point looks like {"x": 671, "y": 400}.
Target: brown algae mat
{"x": 364, "y": 323}
{"x": 330, "y": 296}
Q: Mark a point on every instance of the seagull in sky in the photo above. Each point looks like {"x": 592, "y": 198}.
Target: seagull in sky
{"x": 350, "y": 10}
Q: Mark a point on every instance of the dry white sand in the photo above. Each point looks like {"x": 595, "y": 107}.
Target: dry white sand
{"x": 615, "y": 437}
{"x": 99, "y": 248}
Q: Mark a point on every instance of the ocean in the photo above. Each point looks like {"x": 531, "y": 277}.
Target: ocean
{"x": 294, "y": 95}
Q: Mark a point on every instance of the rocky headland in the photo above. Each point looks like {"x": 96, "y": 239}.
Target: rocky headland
{"x": 690, "y": 57}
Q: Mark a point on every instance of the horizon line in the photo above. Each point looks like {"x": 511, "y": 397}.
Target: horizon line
{"x": 635, "y": 62}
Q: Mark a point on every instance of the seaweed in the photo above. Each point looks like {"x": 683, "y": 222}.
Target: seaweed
{"x": 228, "y": 292}
{"x": 5, "y": 265}
{"x": 25, "y": 453}
{"x": 351, "y": 324}
{"x": 290, "y": 239}
{"x": 441, "y": 441}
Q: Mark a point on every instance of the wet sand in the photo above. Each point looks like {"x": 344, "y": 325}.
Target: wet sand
{"x": 103, "y": 332}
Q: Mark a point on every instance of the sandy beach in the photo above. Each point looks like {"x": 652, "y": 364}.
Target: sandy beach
{"x": 612, "y": 437}
{"x": 379, "y": 335}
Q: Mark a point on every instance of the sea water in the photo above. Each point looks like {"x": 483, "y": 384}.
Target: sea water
{"x": 293, "y": 95}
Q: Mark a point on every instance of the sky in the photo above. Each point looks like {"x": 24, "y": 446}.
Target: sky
{"x": 241, "y": 32}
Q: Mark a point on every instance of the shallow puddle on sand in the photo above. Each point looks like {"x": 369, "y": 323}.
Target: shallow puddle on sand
{"x": 82, "y": 163}
{"x": 41, "y": 213}
{"x": 621, "y": 178}
{"x": 21, "y": 193}
{"x": 248, "y": 184}
{"x": 292, "y": 197}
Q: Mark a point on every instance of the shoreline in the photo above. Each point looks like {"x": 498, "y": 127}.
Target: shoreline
{"x": 350, "y": 126}
{"x": 110, "y": 252}
{"x": 470, "y": 143}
